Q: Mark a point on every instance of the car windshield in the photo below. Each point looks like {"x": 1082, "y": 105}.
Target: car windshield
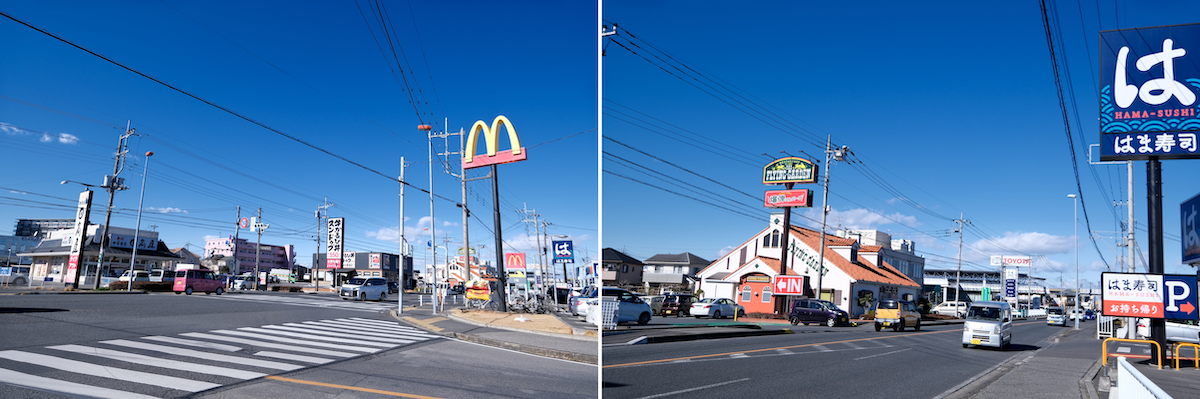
{"x": 984, "y": 313}
{"x": 357, "y": 281}
{"x": 1054, "y": 311}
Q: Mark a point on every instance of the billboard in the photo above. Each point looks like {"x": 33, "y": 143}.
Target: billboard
{"x": 514, "y": 261}
{"x": 790, "y": 170}
{"x": 491, "y": 137}
{"x": 375, "y": 262}
{"x": 1006, "y": 260}
{"x": 1190, "y": 234}
{"x": 564, "y": 251}
{"x": 79, "y": 239}
{"x": 1010, "y": 284}
{"x": 1156, "y": 296}
{"x": 1149, "y": 78}
{"x": 789, "y": 285}
{"x": 785, "y": 198}
{"x": 334, "y": 240}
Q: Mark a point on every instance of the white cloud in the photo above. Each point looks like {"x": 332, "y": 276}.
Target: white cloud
{"x": 166, "y": 210}
{"x": 725, "y": 250}
{"x": 861, "y": 218}
{"x": 1024, "y": 242}
{"x": 67, "y": 138}
{"x": 211, "y": 237}
{"x": 46, "y": 138}
{"x": 12, "y": 130}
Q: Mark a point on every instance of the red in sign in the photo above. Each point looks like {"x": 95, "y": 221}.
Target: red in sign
{"x": 785, "y": 198}
{"x": 789, "y": 285}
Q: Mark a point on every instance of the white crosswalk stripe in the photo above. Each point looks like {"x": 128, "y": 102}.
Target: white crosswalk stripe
{"x": 185, "y": 361}
{"x": 313, "y": 302}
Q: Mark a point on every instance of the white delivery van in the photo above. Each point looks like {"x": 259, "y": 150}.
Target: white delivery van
{"x": 988, "y": 323}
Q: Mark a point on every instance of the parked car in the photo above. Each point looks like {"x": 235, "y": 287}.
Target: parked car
{"x": 363, "y": 288}
{"x": 951, "y": 308}
{"x": 138, "y": 275}
{"x": 243, "y": 282}
{"x": 897, "y": 314}
{"x": 717, "y": 308}
{"x": 15, "y": 278}
{"x": 817, "y": 311}
{"x": 191, "y": 280}
{"x": 1089, "y": 314}
{"x": 677, "y": 304}
{"x": 655, "y": 302}
{"x": 1176, "y": 332}
{"x": 159, "y": 275}
{"x": 393, "y": 287}
{"x": 1056, "y": 316}
{"x": 988, "y": 324}
{"x": 630, "y": 307}
{"x": 579, "y": 303}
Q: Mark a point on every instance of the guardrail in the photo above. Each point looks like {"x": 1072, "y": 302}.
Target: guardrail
{"x": 1132, "y": 384}
{"x": 1105, "y": 326}
{"x": 1179, "y": 345}
{"x": 1104, "y": 349}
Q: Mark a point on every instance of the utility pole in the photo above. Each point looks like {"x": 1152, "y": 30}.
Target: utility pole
{"x": 237, "y": 232}
{"x": 958, "y": 274}
{"x": 259, "y": 226}
{"x": 462, "y": 176}
{"x": 403, "y": 282}
{"x": 317, "y": 256}
{"x": 432, "y": 223}
{"x": 537, "y": 234}
{"x": 838, "y": 155}
{"x": 111, "y": 184}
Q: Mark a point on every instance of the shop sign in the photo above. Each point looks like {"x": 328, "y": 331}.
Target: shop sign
{"x": 514, "y": 261}
{"x": 788, "y": 198}
{"x": 334, "y": 240}
{"x": 1156, "y": 296}
{"x": 1190, "y": 233}
{"x": 790, "y": 170}
{"x": 758, "y": 279}
{"x": 78, "y": 240}
{"x": 998, "y": 260}
{"x": 491, "y": 137}
{"x": 375, "y": 261}
{"x": 124, "y": 241}
{"x": 564, "y": 251}
{"x": 1148, "y": 83}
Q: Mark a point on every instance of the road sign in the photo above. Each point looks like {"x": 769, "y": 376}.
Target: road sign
{"x": 244, "y": 223}
{"x": 789, "y": 285}
{"x": 1180, "y": 301}
{"x": 5, "y": 271}
{"x": 1158, "y": 296}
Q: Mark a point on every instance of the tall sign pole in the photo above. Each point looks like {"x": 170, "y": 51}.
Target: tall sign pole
{"x": 788, "y": 171}
{"x": 403, "y": 282}
{"x": 79, "y": 240}
{"x": 495, "y": 157}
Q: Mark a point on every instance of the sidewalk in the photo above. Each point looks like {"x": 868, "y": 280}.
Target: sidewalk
{"x": 542, "y": 334}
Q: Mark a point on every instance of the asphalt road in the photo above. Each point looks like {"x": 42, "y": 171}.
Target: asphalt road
{"x": 815, "y": 362}
{"x": 259, "y": 345}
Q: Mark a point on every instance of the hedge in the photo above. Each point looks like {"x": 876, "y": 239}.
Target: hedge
{"x": 151, "y": 286}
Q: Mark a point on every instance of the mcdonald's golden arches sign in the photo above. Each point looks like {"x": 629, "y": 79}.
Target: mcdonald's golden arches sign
{"x": 514, "y": 261}
{"x": 491, "y": 136}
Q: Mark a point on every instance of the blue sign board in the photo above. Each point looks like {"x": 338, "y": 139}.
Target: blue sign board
{"x": 1188, "y": 212}
{"x": 1149, "y": 80}
{"x": 1179, "y": 297}
{"x": 1010, "y": 289}
{"x": 5, "y": 271}
{"x": 564, "y": 251}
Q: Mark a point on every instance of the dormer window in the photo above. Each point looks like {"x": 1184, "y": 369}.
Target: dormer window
{"x": 771, "y": 240}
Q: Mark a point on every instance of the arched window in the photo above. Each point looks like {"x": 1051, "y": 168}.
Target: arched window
{"x": 767, "y": 294}
{"x": 747, "y": 293}
{"x": 775, "y": 239}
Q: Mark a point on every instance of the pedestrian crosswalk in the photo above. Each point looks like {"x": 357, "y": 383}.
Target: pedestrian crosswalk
{"x": 189, "y": 362}
{"x": 308, "y": 301}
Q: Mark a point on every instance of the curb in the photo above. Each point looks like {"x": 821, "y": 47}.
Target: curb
{"x": 695, "y": 337}
{"x": 451, "y": 316}
{"x": 43, "y": 292}
{"x": 533, "y": 350}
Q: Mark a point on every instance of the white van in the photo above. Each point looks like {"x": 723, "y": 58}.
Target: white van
{"x": 1055, "y": 315}
{"x": 988, "y": 324}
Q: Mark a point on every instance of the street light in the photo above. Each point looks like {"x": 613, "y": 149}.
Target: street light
{"x": 1075, "y": 208}
{"x": 137, "y": 227}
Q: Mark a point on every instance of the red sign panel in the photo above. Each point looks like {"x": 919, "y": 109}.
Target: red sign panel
{"x": 783, "y": 198}
{"x": 514, "y": 261}
{"x": 789, "y": 285}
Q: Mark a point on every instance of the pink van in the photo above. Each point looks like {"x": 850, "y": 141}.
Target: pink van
{"x": 201, "y": 280}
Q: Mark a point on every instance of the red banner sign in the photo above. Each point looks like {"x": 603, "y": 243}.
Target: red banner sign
{"x": 789, "y": 285}
{"x": 784, "y": 198}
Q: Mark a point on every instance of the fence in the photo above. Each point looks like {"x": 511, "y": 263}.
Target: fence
{"x": 1131, "y": 384}
{"x": 1106, "y": 326}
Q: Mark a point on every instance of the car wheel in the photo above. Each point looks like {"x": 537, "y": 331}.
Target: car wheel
{"x": 177, "y": 292}
{"x": 20, "y": 281}
{"x": 831, "y": 322}
{"x": 716, "y": 314}
{"x": 362, "y": 297}
{"x": 900, "y": 326}
{"x": 878, "y": 327}
{"x": 188, "y": 291}
{"x": 794, "y": 320}
{"x": 965, "y": 345}
{"x": 643, "y": 319}
{"x": 741, "y": 313}
{"x": 220, "y": 290}
{"x": 382, "y": 296}
{"x": 345, "y": 299}
{"x": 918, "y": 326}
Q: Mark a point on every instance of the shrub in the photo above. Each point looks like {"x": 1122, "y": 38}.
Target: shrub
{"x": 773, "y": 316}
{"x": 150, "y": 286}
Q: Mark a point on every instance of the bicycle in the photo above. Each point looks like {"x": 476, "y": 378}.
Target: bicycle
{"x": 483, "y": 304}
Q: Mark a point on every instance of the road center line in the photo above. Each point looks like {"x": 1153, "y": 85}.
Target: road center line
{"x": 693, "y": 389}
{"x": 322, "y": 384}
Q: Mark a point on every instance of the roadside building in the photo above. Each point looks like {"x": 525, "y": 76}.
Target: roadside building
{"x": 900, "y": 254}
{"x": 620, "y": 270}
{"x": 364, "y": 264}
{"x": 269, "y": 256}
{"x": 671, "y": 272}
{"x": 185, "y": 257}
{"x": 455, "y": 273}
{"x": 27, "y": 234}
{"x": 747, "y": 273}
{"x": 49, "y": 258}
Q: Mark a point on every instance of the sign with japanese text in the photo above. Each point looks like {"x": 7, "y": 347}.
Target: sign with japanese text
{"x": 1156, "y": 296}
{"x": 79, "y": 239}
{"x": 375, "y": 261}
{"x": 349, "y": 260}
{"x": 514, "y": 261}
{"x": 1191, "y": 232}
{"x": 491, "y": 137}
{"x": 1010, "y": 284}
{"x": 564, "y": 251}
{"x": 1149, "y": 78}
{"x": 789, "y": 285}
{"x": 334, "y": 240}
{"x": 790, "y": 170}
{"x": 788, "y": 198}
{"x": 124, "y": 241}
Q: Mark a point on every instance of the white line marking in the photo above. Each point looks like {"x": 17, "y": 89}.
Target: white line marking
{"x": 329, "y": 304}
{"x": 881, "y": 354}
{"x": 1123, "y": 349}
{"x": 65, "y": 387}
{"x": 108, "y": 372}
{"x": 822, "y": 348}
{"x": 289, "y": 356}
{"x": 341, "y": 334}
{"x": 317, "y": 337}
{"x": 159, "y": 362}
{"x": 785, "y": 352}
{"x": 694, "y": 389}
{"x": 198, "y": 344}
{"x": 738, "y": 355}
{"x": 853, "y": 345}
{"x": 203, "y": 355}
{"x": 271, "y": 345}
{"x": 367, "y": 326}
{"x": 297, "y": 341}
{"x": 363, "y": 330}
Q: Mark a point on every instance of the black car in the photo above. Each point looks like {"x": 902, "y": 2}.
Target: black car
{"x": 677, "y": 304}
{"x": 393, "y": 287}
{"x": 817, "y": 311}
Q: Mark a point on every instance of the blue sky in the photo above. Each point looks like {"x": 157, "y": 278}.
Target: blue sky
{"x": 949, "y": 108}
{"x": 321, "y": 74}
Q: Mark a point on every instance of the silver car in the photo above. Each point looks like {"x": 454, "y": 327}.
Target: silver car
{"x": 363, "y": 288}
